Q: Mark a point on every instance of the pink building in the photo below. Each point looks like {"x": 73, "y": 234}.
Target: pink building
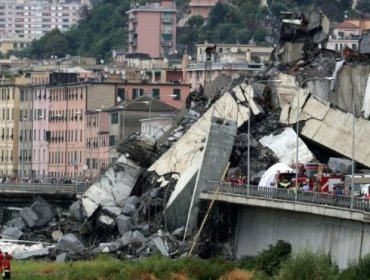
{"x": 97, "y": 142}
{"x": 172, "y": 94}
{"x": 66, "y": 126}
{"x": 152, "y": 28}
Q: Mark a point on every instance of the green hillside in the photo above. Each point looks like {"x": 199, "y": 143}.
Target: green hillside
{"x": 105, "y": 28}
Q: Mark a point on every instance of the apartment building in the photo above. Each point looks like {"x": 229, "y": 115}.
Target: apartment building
{"x": 348, "y": 33}
{"x": 152, "y": 28}
{"x": 10, "y": 142}
{"x": 31, "y": 19}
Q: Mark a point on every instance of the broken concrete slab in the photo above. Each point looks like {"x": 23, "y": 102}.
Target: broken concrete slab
{"x": 29, "y": 217}
{"x": 113, "y": 188}
{"x": 333, "y": 129}
{"x": 70, "y": 243}
{"x": 219, "y": 145}
{"x": 11, "y": 233}
{"x": 17, "y": 222}
{"x": 44, "y": 212}
{"x": 124, "y": 224}
{"x": 41, "y": 252}
{"x": 77, "y": 211}
{"x": 61, "y": 258}
{"x": 161, "y": 246}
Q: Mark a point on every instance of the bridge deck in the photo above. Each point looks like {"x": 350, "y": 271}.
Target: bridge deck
{"x": 324, "y": 204}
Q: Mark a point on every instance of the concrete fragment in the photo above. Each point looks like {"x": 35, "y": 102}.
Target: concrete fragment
{"x": 126, "y": 238}
{"x": 32, "y": 254}
{"x": 159, "y": 244}
{"x": 77, "y": 211}
{"x": 113, "y": 188}
{"x": 128, "y": 209}
{"x": 29, "y": 217}
{"x": 105, "y": 220}
{"x": 138, "y": 237}
{"x": 44, "y": 212}
{"x": 124, "y": 223}
{"x": 61, "y": 258}
{"x": 112, "y": 210}
{"x": 17, "y": 222}
{"x": 12, "y": 233}
{"x": 71, "y": 243}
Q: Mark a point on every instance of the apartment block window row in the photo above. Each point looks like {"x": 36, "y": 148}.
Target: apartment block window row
{"x": 7, "y": 114}
{"x": 65, "y": 115}
{"x": 92, "y": 121}
{"x": 6, "y": 155}
{"x": 64, "y": 94}
{"x": 71, "y": 135}
{"x": 6, "y": 134}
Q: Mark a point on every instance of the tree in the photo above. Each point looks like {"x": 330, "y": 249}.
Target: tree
{"x": 195, "y": 22}
{"x": 218, "y": 14}
{"x": 363, "y": 6}
{"x": 55, "y": 43}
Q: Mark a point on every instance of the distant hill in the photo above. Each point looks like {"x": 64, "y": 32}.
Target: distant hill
{"x": 105, "y": 28}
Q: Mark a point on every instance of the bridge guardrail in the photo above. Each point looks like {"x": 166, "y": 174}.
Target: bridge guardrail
{"x": 341, "y": 201}
{"x": 44, "y": 188}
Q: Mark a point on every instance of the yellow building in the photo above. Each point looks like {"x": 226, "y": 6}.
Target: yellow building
{"x": 7, "y": 44}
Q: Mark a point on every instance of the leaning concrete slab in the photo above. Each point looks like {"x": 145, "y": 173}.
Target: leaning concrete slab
{"x": 333, "y": 128}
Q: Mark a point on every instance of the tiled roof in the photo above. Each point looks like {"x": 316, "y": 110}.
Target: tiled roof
{"x": 347, "y": 24}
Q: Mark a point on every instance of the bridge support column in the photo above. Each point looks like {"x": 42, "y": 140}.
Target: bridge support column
{"x": 215, "y": 160}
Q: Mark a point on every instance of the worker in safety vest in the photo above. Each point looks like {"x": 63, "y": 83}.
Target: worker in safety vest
{"x": 1, "y": 261}
{"x": 7, "y": 266}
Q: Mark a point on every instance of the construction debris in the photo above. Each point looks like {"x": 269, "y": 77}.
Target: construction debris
{"x": 147, "y": 202}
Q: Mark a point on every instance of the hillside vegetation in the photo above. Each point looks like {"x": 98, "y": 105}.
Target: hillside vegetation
{"x": 274, "y": 263}
{"x": 105, "y": 28}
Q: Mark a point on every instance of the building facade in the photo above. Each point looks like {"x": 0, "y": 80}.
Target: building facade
{"x": 32, "y": 19}
{"x": 347, "y": 34}
{"x": 152, "y": 28}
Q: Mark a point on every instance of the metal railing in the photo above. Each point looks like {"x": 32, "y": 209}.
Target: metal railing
{"x": 317, "y": 198}
{"x": 43, "y": 188}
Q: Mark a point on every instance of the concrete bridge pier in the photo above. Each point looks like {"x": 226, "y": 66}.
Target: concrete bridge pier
{"x": 345, "y": 240}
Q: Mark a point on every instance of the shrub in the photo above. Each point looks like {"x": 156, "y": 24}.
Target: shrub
{"x": 359, "y": 271}
{"x": 306, "y": 266}
{"x": 269, "y": 261}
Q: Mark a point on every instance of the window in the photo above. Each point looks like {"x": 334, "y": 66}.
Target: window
{"x": 156, "y": 93}
{"x": 114, "y": 118}
{"x": 112, "y": 140}
{"x": 176, "y": 94}
{"x": 137, "y": 92}
{"x": 121, "y": 94}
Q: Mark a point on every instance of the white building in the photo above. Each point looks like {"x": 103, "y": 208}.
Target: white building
{"x": 33, "y": 18}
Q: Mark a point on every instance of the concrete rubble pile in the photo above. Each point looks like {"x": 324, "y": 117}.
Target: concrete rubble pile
{"x": 147, "y": 202}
